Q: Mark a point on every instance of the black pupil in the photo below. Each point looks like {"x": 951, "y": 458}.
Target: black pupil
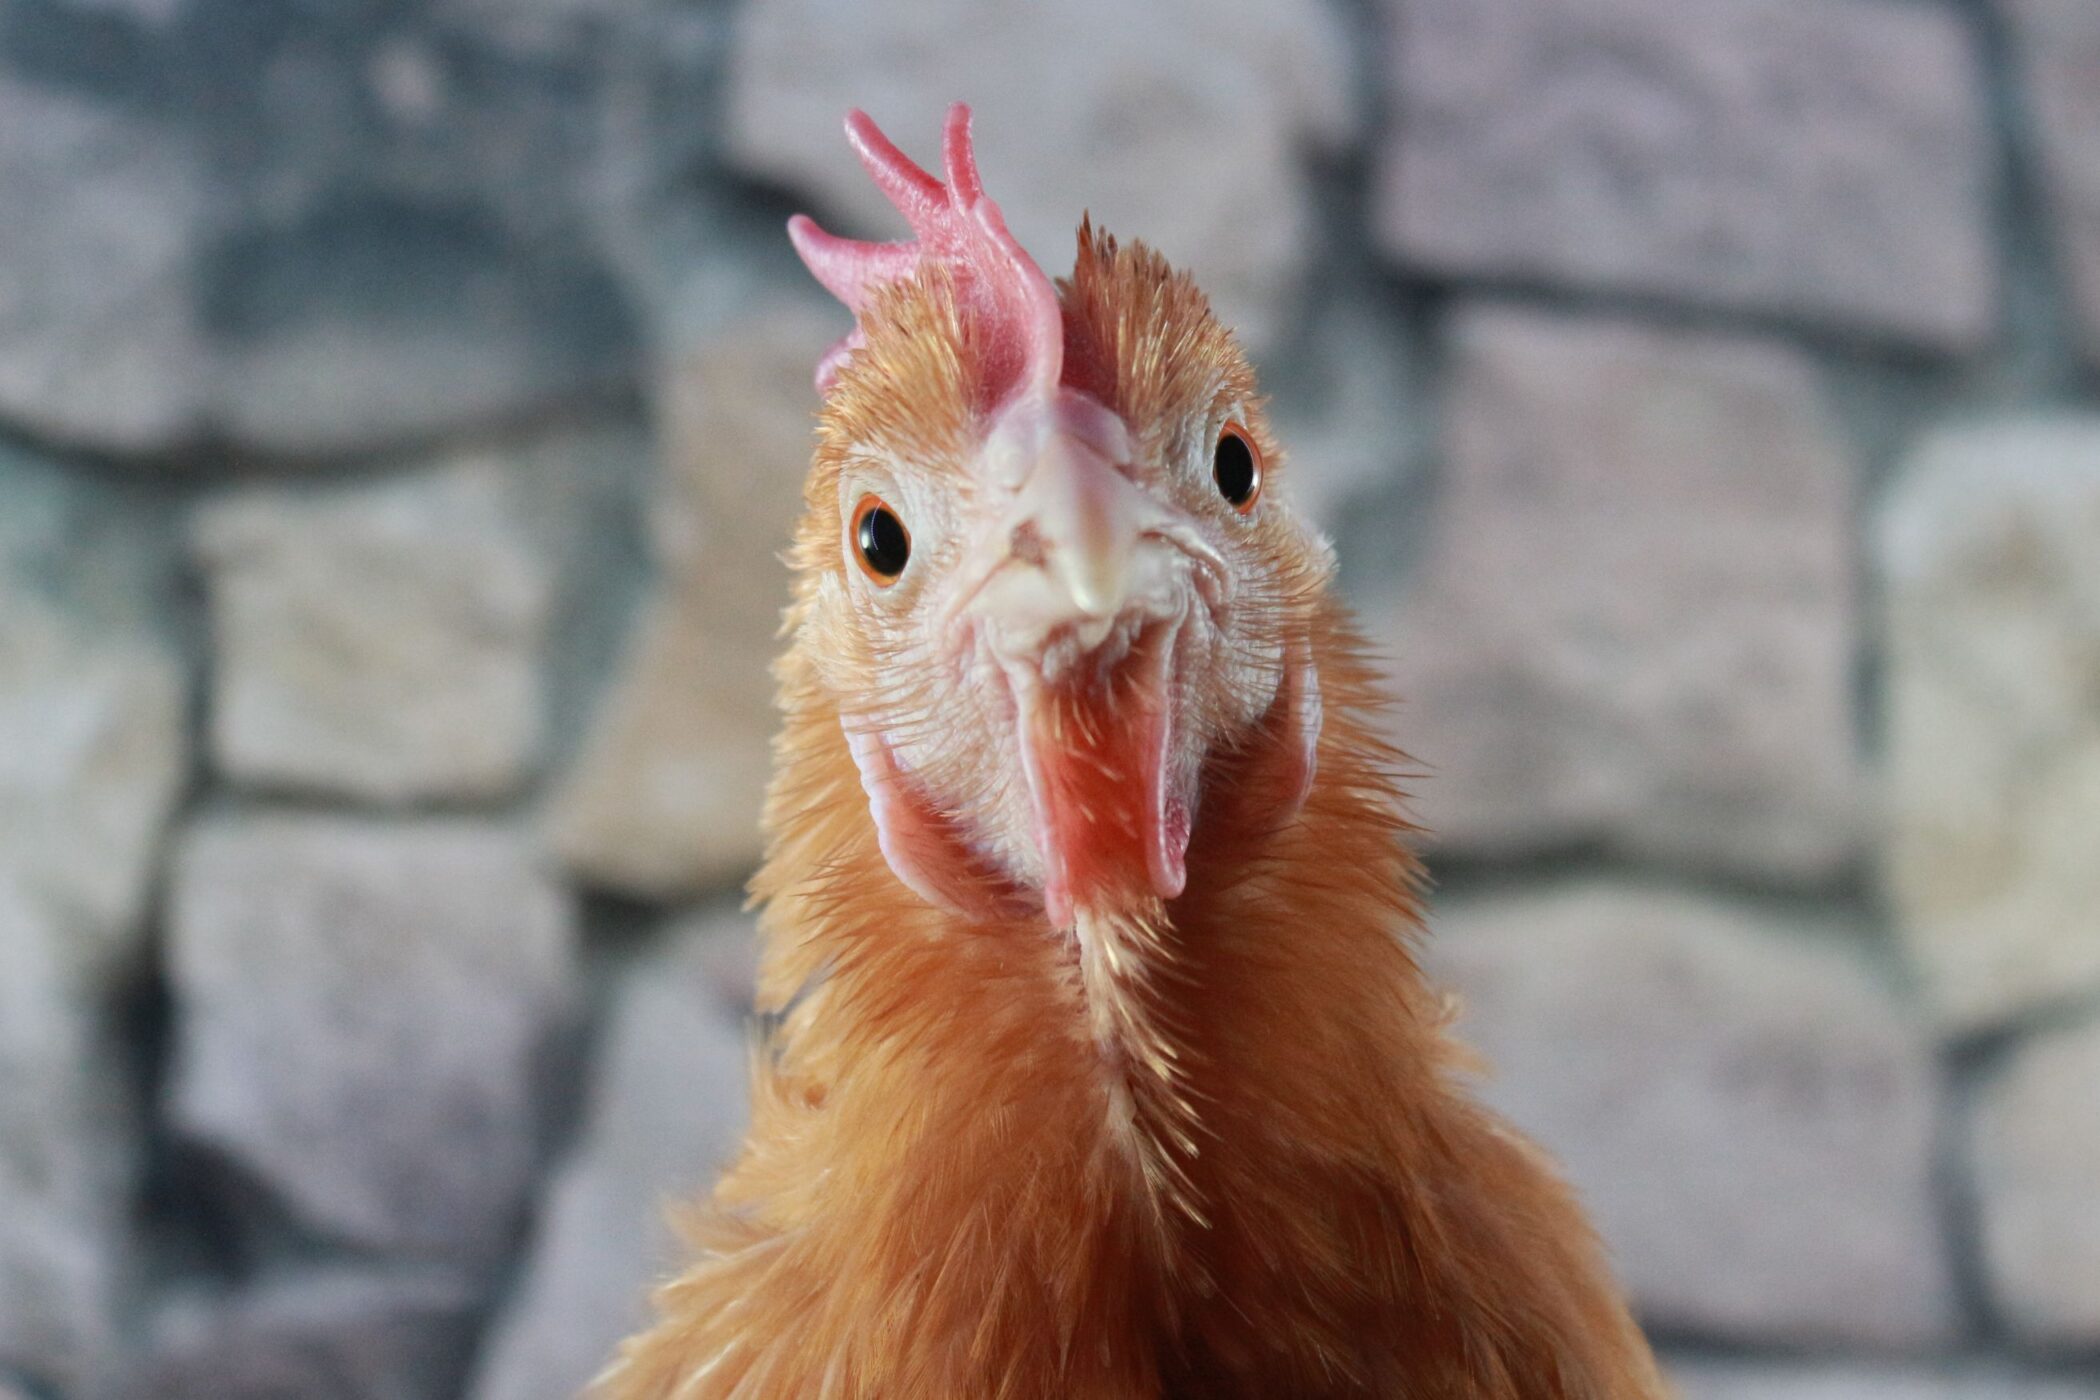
{"x": 1233, "y": 466}
{"x": 883, "y": 542}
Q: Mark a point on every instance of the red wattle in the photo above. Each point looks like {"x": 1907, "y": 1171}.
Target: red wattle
{"x": 1111, "y": 822}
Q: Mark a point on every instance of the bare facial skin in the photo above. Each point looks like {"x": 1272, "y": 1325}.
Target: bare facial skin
{"x": 1064, "y": 580}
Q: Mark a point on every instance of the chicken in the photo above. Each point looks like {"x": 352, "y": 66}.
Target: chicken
{"x": 1101, "y": 1066}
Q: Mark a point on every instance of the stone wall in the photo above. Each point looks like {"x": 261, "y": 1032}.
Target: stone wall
{"x": 401, "y": 407}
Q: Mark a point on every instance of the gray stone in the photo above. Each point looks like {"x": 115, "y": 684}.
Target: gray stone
{"x": 381, "y": 641}
{"x": 724, "y": 952}
{"x": 158, "y": 13}
{"x": 1634, "y": 628}
{"x": 326, "y": 234}
{"x": 667, "y": 1105}
{"x": 374, "y": 323}
{"x": 1755, "y": 1380}
{"x": 1989, "y": 549}
{"x": 1816, "y": 161}
{"x": 99, "y": 338}
{"x": 1345, "y": 408}
{"x": 335, "y": 1334}
{"x": 342, "y": 231}
{"x": 2036, "y": 1153}
{"x": 664, "y": 799}
{"x": 540, "y": 126}
{"x": 95, "y": 546}
{"x": 542, "y": 26}
{"x": 2058, "y": 42}
{"x": 1747, "y": 1113}
{"x": 409, "y": 207}
{"x": 1184, "y": 124}
{"x": 362, "y": 1011}
{"x": 92, "y": 757}
{"x": 66, "y": 1157}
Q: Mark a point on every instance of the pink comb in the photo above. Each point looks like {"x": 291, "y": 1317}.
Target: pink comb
{"x": 1011, "y": 302}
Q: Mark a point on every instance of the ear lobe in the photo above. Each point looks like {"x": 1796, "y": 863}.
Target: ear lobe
{"x": 918, "y": 844}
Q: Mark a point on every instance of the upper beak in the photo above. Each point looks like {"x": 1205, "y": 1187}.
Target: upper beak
{"x": 1068, "y": 548}
{"x": 1086, "y": 517}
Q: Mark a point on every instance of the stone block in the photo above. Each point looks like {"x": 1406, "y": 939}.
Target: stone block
{"x": 362, "y": 1014}
{"x": 1747, "y": 1112}
{"x": 1828, "y": 163}
{"x": 1988, "y": 546}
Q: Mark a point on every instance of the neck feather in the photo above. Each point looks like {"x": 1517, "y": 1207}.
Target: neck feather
{"x": 1140, "y": 1033}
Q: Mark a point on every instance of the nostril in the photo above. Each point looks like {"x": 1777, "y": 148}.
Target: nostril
{"x": 1026, "y": 544}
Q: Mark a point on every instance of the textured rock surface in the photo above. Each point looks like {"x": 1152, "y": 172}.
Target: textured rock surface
{"x": 99, "y": 333}
{"x": 668, "y": 1104}
{"x": 1781, "y": 1381}
{"x": 2036, "y": 1149}
{"x": 1827, "y": 162}
{"x": 342, "y": 1334}
{"x": 380, "y": 642}
{"x": 1345, "y": 408}
{"x": 1634, "y": 627}
{"x": 65, "y": 1157}
{"x": 2059, "y": 45}
{"x": 331, "y": 234}
{"x": 371, "y": 322}
{"x": 361, "y": 1010}
{"x": 1990, "y": 561}
{"x": 1184, "y": 125}
{"x": 96, "y": 546}
{"x": 665, "y": 798}
{"x": 1720, "y": 1085}
{"x": 92, "y": 755}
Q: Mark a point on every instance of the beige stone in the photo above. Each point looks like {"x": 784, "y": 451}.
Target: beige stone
{"x": 1989, "y": 552}
{"x": 664, "y": 799}
{"x": 379, "y": 642}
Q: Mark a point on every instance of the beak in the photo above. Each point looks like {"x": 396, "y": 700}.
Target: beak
{"x": 1086, "y": 516}
{"x": 1074, "y": 520}
{"x": 1082, "y": 554}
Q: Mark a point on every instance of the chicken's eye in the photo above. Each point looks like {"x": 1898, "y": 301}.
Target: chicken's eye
{"x": 1235, "y": 464}
{"x": 880, "y": 541}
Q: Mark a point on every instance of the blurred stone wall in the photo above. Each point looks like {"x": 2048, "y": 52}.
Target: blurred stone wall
{"x": 401, "y": 405}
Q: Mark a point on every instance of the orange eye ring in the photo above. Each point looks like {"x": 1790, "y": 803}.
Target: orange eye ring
{"x": 880, "y": 543}
{"x": 1235, "y": 466}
